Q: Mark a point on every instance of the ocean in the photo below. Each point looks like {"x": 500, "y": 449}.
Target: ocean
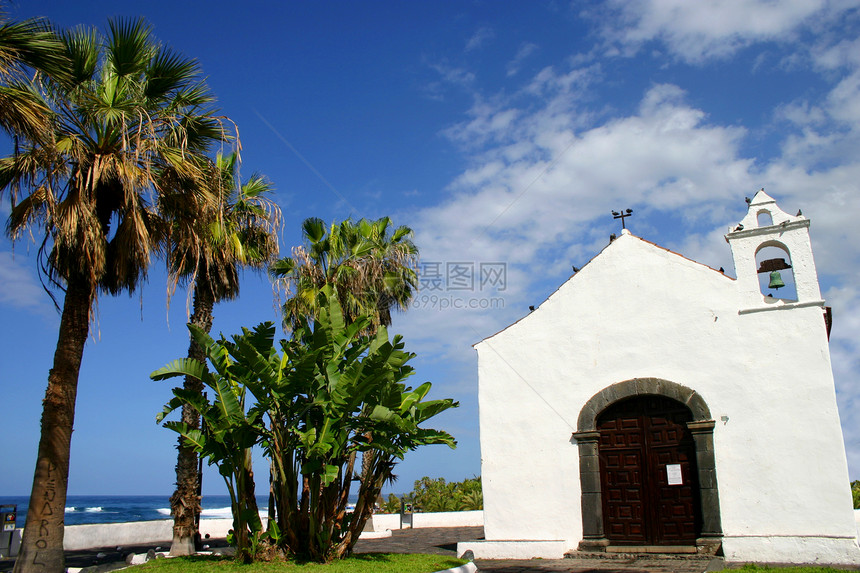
{"x": 121, "y": 508}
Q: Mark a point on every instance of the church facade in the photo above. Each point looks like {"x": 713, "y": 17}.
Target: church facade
{"x": 655, "y": 404}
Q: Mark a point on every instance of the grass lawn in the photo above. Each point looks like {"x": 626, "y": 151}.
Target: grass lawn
{"x": 360, "y": 563}
{"x": 751, "y": 568}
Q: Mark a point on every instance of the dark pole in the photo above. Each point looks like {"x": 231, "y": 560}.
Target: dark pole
{"x": 622, "y": 215}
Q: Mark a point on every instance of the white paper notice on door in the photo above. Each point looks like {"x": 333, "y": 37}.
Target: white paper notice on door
{"x": 673, "y": 474}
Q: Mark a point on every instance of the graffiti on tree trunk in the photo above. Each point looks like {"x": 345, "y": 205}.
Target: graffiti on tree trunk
{"x": 46, "y": 511}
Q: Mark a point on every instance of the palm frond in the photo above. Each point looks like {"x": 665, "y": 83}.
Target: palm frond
{"x": 22, "y": 111}
{"x": 82, "y": 47}
{"x": 96, "y": 138}
{"x": 169, "y": 73}
{"x": 235, "y": 228}
{"x": 371, "y": 270}
{"x": 30, "y": 44}
{"x": 129, "y": 47}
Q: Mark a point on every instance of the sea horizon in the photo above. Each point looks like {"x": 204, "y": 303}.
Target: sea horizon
{"x": 85, "y": 509}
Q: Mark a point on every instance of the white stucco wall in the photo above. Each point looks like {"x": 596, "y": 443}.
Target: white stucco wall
{"x": 639, "y": 311}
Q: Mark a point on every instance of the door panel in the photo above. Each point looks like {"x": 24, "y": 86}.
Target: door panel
{"x": 623, "y": 497}
{"x": 639, "y": 439}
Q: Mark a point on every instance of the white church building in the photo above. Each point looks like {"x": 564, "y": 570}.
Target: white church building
{"x": 653, "y": 403}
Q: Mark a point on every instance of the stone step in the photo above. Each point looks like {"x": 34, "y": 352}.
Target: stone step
{"x": 685, "y": 552}
{"x": 668, "y": 549}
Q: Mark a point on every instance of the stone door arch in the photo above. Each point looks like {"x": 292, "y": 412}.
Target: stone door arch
{"x": 587, "y": 435}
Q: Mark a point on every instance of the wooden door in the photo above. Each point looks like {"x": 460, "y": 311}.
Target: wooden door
{"x": 648, "y": 473}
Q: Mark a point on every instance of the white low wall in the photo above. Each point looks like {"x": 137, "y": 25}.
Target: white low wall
{"x": 857, "y": 521}
{"x": 116, "y": 534}
{"x": 161, "y": 531}
{"x": 383, "y": 521}
{"x": 134, "y": 533}
{"x": 218, "y": 528}
{"x": 448, "y": 519}
{"x": 129, "y": 533}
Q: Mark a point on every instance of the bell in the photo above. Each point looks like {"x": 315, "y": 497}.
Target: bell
{"x": 775, "y": 280}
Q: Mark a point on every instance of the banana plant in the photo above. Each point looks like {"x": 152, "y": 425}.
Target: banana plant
{"x": 332, "y": 387}
{"x": 228, "y": 431}
{"x": 330, "y": 394}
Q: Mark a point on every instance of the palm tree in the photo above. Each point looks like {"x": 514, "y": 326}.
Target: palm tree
{"x": 207, "y": 246}
{"x": 26, "y": 47}
{"x": 371, "y": 270}
{"x": 128, "y": 108}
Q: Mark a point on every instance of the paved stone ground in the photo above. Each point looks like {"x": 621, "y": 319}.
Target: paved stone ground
{"x": 434, "y": 540}
{"x": 103, "y": 558}
{"x": 637, "y": 565}
{"x": 443, "y": 541}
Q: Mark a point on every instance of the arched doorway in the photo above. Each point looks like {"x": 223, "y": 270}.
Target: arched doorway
{"x": 648, "y": 472}
{"x": 587, "y": 439}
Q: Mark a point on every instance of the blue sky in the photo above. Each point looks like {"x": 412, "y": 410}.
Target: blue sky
{"x": 504, "y": 133}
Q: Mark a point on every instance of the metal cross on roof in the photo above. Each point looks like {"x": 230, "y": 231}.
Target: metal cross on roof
{"x": 622, "y": 215}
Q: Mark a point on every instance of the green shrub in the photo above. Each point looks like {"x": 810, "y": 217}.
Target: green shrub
{"x": 392, "y": 505}
{"x": 431, "y": 495}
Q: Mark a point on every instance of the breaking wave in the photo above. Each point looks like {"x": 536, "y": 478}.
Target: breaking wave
{"x": 216, "y": 513}
{"x": 73, "y": 509}
{"x": 207, "y": 513}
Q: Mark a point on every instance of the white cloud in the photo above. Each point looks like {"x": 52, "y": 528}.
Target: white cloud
{"x": 20, "y": 287}
{"x": 480, "y": 38}
{"x": 832, "y": 56}
{"x": 487, "y": 124}
{"x": 539, "y": 190}
{"x": 708, "y": 247}
{"x": 844, "y": 101}
{"x": 845, "y": 357}
{"x": 801, "y": 113}
{"x": 525, "y": 50}
{"x": 492, "y": 120}
{"x": 698, "y": 31}
{"x": 574, "y": 83}
{"x": 448, "y": 76}
{"x": 667, "y": 155}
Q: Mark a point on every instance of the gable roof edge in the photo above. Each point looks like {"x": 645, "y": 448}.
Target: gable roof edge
{"x": 624, "y": 233}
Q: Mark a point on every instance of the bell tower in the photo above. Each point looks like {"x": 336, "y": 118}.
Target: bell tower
{"x": 772, "y": 244}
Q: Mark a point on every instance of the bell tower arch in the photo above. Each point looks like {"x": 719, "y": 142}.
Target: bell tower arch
{"x": 768, "y": 231}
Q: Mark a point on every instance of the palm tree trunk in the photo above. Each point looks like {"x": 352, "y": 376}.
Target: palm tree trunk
{"x": 368, "y": 492}
{"x": 185, "y": 501}
{"x": 42, "y": 545}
